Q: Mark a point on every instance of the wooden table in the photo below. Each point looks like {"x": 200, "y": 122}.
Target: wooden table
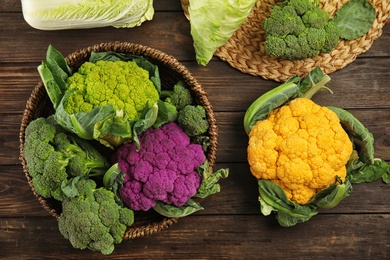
{"x": 231, "y": 225}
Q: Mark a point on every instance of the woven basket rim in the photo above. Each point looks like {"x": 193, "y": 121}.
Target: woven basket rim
{"x": 157, "y": 56}
{"x": 244, "y": 51}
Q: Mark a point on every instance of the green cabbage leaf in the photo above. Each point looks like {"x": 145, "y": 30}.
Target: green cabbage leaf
{"x": 213, "y": 22}
{"x": 82, "y": 14}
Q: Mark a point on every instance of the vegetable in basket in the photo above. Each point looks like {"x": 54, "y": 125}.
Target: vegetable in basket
{"x": 111, "y": 98}
{"x": 165, "y": 174}
{"x": 93, "y": 219}
{"x": 306, "y": 156}
{"x": 81, "y": 14}
{"x": 299, "y": 29}
{"x": 55, "y": 157}
{"x": 213, "y": 22}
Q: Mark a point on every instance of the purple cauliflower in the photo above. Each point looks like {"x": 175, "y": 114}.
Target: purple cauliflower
{"x": 164, "y": 169}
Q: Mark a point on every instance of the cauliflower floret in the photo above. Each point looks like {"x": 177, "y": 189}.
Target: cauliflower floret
{"x": 300, "y": 146}
{"x": 164, "y": 169}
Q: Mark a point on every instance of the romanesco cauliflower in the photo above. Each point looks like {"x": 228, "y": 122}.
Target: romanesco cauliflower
{"x": 123, "y": 84}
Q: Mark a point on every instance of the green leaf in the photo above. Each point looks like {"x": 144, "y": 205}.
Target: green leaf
{"x": 209, "y": 184}
{"x": 171, "y": 211}
{"x": 358, "y": 132}
{"x": 82, "y": 123}
{"x": 69, "y": 188}
{"x": 113, "y": 181}
{"x": 54, "y": 73}
{"x": 273, "y": 198}
{"x": 314, "y": 82}
{"x": 370, "y": 172}
{"x": 146, "y": 121}
{"x": 354, "y": 19}
{"x": 113, "y": 131}
{"x": 334, "y": 195}
{"x": 166, "y": 113}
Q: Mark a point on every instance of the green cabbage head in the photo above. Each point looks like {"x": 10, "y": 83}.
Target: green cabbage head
{"x": 213, "y": 22}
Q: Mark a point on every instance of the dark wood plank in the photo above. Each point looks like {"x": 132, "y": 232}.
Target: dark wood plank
{"x": 196, "y": 237}
{"x": 165, "y": 28}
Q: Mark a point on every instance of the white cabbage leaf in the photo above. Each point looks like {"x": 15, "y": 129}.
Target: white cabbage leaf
{"x": 213, "y": 22}
{"x": 82, "y": 14}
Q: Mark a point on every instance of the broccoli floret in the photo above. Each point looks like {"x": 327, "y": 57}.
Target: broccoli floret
{"x": 192, "y": 119}
{"x": 316, "y": 18}
{"x": 53, "y": 157}
{"x": 283, "y": 21}
{"x": 300, "y": 6}
{"x": 332, "y": 37}
{"x": 299, "y": 29}
{"x": 180, "y": 96}
{"x": 93, "y": 219}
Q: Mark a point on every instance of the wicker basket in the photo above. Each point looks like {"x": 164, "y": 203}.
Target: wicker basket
{"x": 171, "y": 71}
{"x": 245, "y": 49}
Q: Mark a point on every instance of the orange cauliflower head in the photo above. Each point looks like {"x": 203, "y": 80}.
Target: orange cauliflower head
{"x": 302, "y": 147}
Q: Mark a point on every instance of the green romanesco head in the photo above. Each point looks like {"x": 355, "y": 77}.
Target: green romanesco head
{"x": 122, "y": 84}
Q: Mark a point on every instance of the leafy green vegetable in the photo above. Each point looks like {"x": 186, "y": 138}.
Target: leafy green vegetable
{"x": 213, "y": 22}
{"x": 76, "y": 14}
{"x": 354, "y": 19}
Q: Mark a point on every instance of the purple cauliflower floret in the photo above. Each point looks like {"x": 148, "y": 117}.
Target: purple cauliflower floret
{"x": 164, "y": 169}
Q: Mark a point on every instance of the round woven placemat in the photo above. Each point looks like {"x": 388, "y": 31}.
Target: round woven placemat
{"x": 245, "y": 49}
{"x": 171, "y": 71}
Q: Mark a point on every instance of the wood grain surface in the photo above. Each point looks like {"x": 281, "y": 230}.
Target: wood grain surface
{"x": 231, "y": 225}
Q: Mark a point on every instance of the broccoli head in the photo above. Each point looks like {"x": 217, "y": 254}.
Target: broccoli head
{"x": 299, "y": 29}
{"x": 164, "y": 169}
{"x": 122, "y": 84}
{"x": 93, "y": 219}
{"x": 193, "y": 120}
{"x": 180, "y": 96}
{"x": 53, "y": 157}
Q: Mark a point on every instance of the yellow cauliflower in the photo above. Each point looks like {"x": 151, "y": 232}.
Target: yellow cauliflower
{"x": 302, "y": 147}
